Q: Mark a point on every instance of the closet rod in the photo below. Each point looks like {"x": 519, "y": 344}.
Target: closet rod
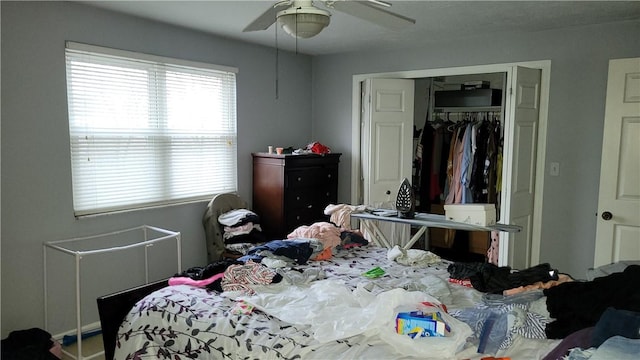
{"x": 465, "y": 115}
{"x": 470, "y": 113}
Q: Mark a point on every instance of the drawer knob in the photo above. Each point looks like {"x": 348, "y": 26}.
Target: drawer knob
{"x": 297, "y": 197}
{"x": 299, "y": 179}
{"x": 309, "y": 206}
{"x": 298, "y": 217}
{"x": 329, "y": 176}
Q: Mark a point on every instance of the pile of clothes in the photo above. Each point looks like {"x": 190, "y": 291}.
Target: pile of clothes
{"x": 490, "y": 278}
{"x": 227, "y": 275}
{"x": 580, "y": 304}
{"x": 597, "y": 319}
{"x": 266, "y": 262}
{"x": 242, "y": 231}
{"x": 312, "y": 148}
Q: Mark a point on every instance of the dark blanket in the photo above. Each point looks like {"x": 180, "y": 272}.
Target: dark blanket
{"x": 578, "y": 305}
{"x": 487, "y": 277}
{"x": 31, "y": 344}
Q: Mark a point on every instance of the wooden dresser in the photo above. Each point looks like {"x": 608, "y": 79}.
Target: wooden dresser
{"x": 293, "y": 190}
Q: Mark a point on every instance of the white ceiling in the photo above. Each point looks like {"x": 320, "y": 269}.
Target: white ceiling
{"x": 436, "y": 21}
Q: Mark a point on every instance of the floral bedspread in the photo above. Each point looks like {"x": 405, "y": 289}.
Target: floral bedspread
{"x": 185, "y": 322}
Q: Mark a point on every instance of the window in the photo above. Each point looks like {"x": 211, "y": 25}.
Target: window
{"x": 147, "y": 130}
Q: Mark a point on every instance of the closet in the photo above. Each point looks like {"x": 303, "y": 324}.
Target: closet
{"x": 458, "y": 150}
{"x": 384, "y": 113}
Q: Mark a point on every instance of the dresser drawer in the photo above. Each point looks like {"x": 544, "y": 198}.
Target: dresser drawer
{"x": 302, "y": 178}
{"x": 313, "y": 197}
{"x": 327, "y": 194}
{"x": 303, "y": 216}
{"x": 307, "y": 177}
{"x": 300, "y": 198}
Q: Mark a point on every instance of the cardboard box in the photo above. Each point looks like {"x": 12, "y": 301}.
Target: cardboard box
{"x": 419, "y": 324}
{"x": 438, "y": 237}
{"x": 479, "y": 242}
{"x": 475, "y": 214}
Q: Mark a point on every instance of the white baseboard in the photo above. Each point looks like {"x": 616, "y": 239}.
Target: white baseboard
{"x": 88, "y": 327}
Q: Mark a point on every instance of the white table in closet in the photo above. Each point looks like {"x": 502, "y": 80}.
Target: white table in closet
{"x": 144, "y": 237}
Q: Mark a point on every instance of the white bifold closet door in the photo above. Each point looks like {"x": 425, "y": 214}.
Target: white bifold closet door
{"x": 522, "y": 108}
{"x": 387, "y": 146}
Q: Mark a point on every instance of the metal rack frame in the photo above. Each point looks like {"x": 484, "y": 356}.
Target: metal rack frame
{"x": 79, "y": 254}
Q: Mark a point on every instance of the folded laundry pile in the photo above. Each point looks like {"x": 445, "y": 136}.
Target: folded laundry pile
{"x": 242, "y": 231}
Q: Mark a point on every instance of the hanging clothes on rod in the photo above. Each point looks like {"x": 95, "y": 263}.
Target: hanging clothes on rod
{"x": 435, "y": 137}
{"x": 460, "y": 159}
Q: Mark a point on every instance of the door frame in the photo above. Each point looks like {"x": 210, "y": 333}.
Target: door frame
{"x": 543, "y": 65}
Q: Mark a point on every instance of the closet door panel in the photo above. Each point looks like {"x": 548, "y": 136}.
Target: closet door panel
{"x": 389, "y": 133}
{"x": 521, "y": 255}
{"x": 519, "y": 165}
{"x": 388, "y": 161}
{"x": 523, "y": 179}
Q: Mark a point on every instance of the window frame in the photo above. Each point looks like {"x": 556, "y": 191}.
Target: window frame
{"x": 228, "y": 139}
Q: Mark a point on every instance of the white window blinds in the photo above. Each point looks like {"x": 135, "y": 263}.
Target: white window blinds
{"x": 148, "y": 131}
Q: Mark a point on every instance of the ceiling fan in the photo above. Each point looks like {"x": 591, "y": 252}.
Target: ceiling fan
{"x": 302, "y": 19}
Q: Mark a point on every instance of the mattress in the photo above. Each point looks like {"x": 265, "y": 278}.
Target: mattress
{"x": 330, "y": 310}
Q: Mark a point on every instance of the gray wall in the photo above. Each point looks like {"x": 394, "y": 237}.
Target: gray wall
{"x": 36, "y": 180}
{"x": 579, "y": 63}
{"x": 36, "y": 170}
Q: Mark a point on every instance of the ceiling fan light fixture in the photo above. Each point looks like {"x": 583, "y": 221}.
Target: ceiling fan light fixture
{"x": 303, "y": 22}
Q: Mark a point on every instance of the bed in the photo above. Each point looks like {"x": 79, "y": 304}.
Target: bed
{"x": 329, "y": 309}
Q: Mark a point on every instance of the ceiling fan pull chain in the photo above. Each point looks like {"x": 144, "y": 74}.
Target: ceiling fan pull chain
{"x": 277, "y": 64}
{"x": 297, "y": 9}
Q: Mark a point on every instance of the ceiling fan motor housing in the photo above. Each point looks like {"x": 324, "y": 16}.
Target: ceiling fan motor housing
{"x": 303, "y": 21}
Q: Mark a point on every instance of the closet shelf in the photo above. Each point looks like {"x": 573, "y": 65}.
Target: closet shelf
{"x": 463, "y": 109}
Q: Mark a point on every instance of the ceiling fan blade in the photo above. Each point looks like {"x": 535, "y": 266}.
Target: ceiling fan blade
{"x": 264, "y": 21}
{"x": 366, "y": 10}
